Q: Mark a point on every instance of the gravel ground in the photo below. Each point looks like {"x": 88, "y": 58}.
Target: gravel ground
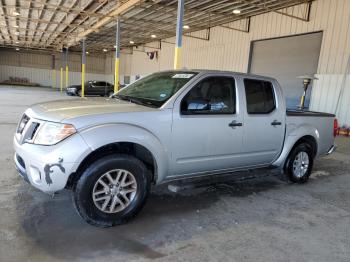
{"x": 260, "y": 219}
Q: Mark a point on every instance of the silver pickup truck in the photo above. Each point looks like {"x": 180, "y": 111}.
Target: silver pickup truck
{"x": 168, "y": 125}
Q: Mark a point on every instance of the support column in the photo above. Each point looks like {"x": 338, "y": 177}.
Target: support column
{"x": 53, "y": 71}
{"x": 117, "y": 56}
{"x": 83, "y": 60}
{"x": 178, "y": 46}
{"x": 67, "y": 80}
{"x": 61, "y": 73}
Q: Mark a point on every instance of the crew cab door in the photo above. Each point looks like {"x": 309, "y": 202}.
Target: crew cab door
{"x": 207, "y": 127}
{"x": 264, "y": 122}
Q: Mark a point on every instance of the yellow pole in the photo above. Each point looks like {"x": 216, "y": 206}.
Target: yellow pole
{"x": 178, "y": 44}
{"x": 66, "y": 76}
{"x": 116, "y": 75}
{"x": 117, "y": 57}
{"x": 302, "y": 101}
{"x": 67, "y": 67}
{"x": 177, "y": 58}
{"x": 83, "y": 68}
{"x": 61, "y": 78}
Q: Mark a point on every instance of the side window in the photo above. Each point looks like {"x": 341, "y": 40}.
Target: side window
{"x": 95, "y": 84}
{"x": 213, "y": 95}
{"x": 260, "y": 96}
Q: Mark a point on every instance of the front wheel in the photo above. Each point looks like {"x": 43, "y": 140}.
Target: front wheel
{"x": 112, "y": 190}
{"x": 299, "y": 164}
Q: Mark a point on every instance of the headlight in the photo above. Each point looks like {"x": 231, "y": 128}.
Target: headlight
{"x": 51, "y": 133}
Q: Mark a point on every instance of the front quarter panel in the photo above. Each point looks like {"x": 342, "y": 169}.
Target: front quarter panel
{"x": 102, "y": 135}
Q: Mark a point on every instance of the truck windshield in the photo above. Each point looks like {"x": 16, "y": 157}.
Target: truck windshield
{"x": 154, "y": 90}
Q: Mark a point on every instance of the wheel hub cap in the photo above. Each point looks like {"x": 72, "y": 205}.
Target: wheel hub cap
{"x": 301, "y": 164}
{"x": 114, "y": 191}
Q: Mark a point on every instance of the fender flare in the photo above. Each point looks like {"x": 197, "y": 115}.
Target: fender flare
{"x": 296, "y": 133}
{"x": 98, "y": 136}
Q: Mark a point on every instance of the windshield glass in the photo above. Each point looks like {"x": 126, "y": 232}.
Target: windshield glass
{"x": 156, "y": 89}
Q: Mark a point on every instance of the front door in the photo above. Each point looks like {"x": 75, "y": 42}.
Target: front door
{"x": 264, "y": 123}
{"x": 207, "y": 127}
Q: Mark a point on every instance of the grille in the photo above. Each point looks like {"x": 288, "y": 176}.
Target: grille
{"x": 22, "y": 124}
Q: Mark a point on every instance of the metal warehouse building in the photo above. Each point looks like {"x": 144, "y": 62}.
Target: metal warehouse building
{"x": 305, "y": 37}
{"x": 105, "y": 104}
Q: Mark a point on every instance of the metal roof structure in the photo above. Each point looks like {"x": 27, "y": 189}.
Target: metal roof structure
{"x": 54, "y": 24}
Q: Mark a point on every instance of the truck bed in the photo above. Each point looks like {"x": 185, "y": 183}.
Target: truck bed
{"x": 308, "y": 113}
{"x": 321, "y": 122}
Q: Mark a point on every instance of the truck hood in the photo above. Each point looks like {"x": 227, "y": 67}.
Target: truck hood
{"x": 59, "y": 110}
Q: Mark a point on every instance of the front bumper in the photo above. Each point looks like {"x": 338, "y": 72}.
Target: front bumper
{"x": 48, "y": 167}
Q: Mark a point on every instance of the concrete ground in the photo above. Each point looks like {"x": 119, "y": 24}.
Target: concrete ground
{"x": 262, "y": 219}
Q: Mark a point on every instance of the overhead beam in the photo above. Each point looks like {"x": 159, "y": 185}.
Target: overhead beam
{"x": 245, "y": 30}
{"x": 106, "y": 19}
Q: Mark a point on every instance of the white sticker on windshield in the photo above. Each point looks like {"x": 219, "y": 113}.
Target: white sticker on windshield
{"x": 162, "y": 95}
{"x": 182, "y": 76}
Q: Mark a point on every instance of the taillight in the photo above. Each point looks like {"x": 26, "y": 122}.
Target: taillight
{"x": 335, "y": 127}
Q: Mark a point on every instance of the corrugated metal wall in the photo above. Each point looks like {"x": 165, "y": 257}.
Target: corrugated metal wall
{"x": 37, "y": 67}
{"x": 226, "y": 50}
{"x": 229, "y": 50}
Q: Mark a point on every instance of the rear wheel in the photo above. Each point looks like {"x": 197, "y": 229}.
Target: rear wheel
{"x": 112, "y": 190}
{"x": 299, "y": 164}
{"x": 79, "y": 93}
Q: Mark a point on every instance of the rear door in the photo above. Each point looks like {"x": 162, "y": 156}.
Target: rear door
{"x": 207, "y": 127}
{"x": 264, "y": 122}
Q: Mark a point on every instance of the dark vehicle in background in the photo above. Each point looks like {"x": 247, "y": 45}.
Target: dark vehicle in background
{"x": 96, "y": 88}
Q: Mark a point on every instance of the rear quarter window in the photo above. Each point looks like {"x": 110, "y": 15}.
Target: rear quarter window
{"x": 260, "y": 96}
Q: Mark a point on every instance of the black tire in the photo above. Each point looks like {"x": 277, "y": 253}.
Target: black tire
{"x": 290, "y": 172}
{"x": 110, "y": 93}
{"x": 82, "y": 193}
{"x": 79, "y": 93}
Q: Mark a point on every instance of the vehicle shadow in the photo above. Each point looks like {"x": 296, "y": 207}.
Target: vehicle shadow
{"x": 56, "y": 229}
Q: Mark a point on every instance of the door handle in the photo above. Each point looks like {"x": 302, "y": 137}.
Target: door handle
{"x": 276, "y": 123}
{"x": 234, "y": 123}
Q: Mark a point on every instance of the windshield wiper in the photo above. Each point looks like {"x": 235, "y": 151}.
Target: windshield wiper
{"x": 135, "y": 100}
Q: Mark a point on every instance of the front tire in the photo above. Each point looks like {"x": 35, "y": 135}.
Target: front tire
{"x": 299, "y": 163}
{"x": 112, "y": 190}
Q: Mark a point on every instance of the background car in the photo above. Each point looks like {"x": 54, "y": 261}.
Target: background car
{"x": 97, "y": 88}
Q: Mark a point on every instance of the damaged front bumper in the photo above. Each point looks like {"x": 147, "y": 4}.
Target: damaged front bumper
{"x": 48, "y": 167}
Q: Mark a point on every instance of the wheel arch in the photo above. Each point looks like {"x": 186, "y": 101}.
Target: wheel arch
{"x": 129, "y": 148}
{"x": 291, "y": 143}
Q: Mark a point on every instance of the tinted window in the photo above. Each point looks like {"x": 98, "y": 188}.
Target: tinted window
{"x": 157, "y": 88}
{"x": 96, "y": 83}
{"x": 260, "y": 96}
{"x": 213, "y": 95}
